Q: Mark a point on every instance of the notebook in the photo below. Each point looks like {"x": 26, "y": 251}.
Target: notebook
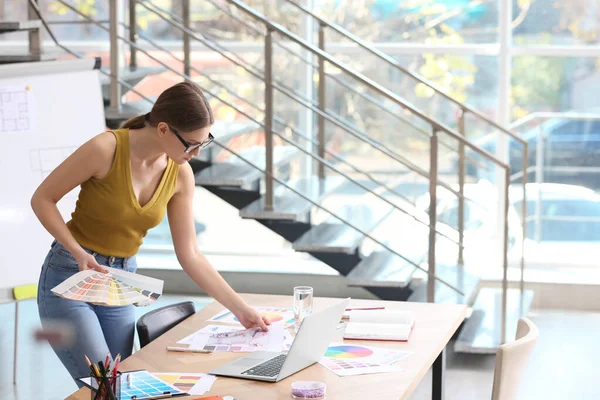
{"x": 380, "y": 325}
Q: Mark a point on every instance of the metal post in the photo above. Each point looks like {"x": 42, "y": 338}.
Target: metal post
{"x": 15, "y": 364}
{"x": 186, "y": 39}
{"x": 524, "y": 215}
{"x": 539, "y": 179}
{"x": 322, "y": 101}
{"x": 35, "y": 39}
{"x": 269, "y": 118}
{"x": 461, "y": 188}
{"x": 115, "y": 87}
{"x": 438, "y": 377}
{"x": 505, "y": 255}
{"x": 132, "y": 34}
{"x": 432, "y": 215}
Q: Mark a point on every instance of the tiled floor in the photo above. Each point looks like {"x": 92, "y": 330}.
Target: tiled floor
{"x": 563, "y": 365}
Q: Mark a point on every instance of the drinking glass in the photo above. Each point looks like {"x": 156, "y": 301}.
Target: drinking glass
{"x": 303, "y": 303}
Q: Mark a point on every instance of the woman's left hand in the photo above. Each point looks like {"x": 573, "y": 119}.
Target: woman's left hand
{"x": 251, "y": 318}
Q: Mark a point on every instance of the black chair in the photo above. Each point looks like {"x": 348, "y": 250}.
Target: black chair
{"x": 156, "y": 322}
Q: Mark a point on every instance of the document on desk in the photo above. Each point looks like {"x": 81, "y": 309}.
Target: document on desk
{"x": 273, "y": 314}
{"x": 348, "y": 360}
{"x": 209, "y": 330}
{"x": 245, "y": 341}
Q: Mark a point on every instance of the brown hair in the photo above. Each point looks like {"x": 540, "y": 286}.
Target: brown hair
{"x": 182, "y": 106}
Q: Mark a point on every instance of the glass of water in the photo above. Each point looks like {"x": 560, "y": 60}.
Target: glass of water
{"x": 303, "y": 304}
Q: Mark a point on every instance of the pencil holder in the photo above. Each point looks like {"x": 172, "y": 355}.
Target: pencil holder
{"x": 106, "y": 388}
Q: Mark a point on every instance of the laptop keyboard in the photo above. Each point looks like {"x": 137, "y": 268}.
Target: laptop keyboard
{"x": 269, "y": 368}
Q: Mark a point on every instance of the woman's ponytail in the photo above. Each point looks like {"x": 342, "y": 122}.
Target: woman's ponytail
{"x": 135, "y": 123}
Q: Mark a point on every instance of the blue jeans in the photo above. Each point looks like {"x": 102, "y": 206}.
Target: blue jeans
{"x": 98, "y": 329}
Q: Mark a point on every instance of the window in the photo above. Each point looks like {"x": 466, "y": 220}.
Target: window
{"x": 415, "y": 21}
{"x": 556, "y": 22}
{"x": 554, "y": 84}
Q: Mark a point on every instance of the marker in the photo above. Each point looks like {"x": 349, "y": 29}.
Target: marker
{"x": 187, "y": 350}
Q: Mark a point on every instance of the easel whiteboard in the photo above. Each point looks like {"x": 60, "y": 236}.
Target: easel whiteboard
{"x": 48, "y": 109}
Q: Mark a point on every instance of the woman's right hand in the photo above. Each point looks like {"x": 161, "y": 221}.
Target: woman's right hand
{"x": 87, "y": 261}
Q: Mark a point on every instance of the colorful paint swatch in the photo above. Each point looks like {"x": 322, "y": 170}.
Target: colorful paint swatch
{"x": 348, "y": 360}
{"x": 194, "y": 384}
{"x": 348, "y": 352}
{"x": 115, "y": 288}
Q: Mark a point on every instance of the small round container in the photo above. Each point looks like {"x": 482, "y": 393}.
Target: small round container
{"x": 308, "y": 390}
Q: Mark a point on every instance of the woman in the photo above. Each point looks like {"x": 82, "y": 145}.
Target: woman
{"x": 129, "y": 178}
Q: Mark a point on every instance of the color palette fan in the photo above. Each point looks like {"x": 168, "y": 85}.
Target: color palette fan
{"x": 115, "y": 288}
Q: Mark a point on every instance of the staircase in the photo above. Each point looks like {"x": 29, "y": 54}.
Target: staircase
{"x": 380, "y": 237}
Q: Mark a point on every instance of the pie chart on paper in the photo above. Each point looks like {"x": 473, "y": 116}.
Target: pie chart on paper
{"x": 348, "y": 352}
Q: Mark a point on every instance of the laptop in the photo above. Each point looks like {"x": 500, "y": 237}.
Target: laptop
{"x": 316, "y": 332}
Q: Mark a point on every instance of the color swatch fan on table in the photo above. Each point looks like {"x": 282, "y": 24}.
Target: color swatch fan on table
{"x": 115, "y": 288}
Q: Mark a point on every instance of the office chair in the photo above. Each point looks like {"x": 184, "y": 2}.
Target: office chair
{"x": 511, "y": 360}
{"x": 156, "y": 322}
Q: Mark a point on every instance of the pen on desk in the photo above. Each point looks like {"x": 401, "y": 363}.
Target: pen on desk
{"x": 187, "y": 350}
{"x": 365, "y": 308}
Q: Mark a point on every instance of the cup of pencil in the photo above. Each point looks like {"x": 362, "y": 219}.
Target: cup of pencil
{"x": 105, "y": 380}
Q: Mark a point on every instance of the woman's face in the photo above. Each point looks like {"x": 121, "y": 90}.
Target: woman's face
{"x": 175, "y": 142}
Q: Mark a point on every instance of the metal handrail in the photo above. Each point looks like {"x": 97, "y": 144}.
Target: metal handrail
{"x": 334, "y": 78}
{"x": 331, "y": 117}
{"x": 186, "y": 77}
{"x": 391, "y": 61}
{"x": 363, "y": 136}
{"x": 543, "y": 114}
{"x": 296, "y": 132}
{"x": 436, "y": 127}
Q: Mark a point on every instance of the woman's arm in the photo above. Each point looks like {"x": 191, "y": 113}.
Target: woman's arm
{"x": 92, "y": 159}
{"x": 181, "y": 221}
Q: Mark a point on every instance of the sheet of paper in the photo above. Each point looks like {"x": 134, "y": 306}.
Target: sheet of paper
{"x": 208, "y": 330}
{"x": 347, "y": 360}
{"x": 194, "y": 384}
{"x": 115, "y": 288}
{"x": 247, "y": 340}
{"x": 17, "y": 109}
{"x": 274, "y": 314}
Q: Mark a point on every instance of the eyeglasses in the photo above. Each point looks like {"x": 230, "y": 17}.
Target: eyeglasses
{"x": 191, "y": 147}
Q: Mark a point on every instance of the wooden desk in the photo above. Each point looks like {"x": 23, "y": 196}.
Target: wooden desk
{"x": 435, "y": 324}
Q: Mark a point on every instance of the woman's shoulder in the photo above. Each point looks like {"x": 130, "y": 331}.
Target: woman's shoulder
{"x": 103, "y": 144}
{"x": 185, "y": 177}
{"x": 101, "y": 149}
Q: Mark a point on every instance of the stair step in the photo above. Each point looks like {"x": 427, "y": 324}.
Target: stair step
{"x": 381, "y": 269}
{"x": 332, "y": 236}
{"x": 129, "y": 75}
{"x": 15, "y": 26}
{"x": 456, "y": 275}
{"x": 24, "y": 58}
{"x": 481, "y": 333}
{"x": 235, "y": 172}
{"x": 287, "y": 205}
